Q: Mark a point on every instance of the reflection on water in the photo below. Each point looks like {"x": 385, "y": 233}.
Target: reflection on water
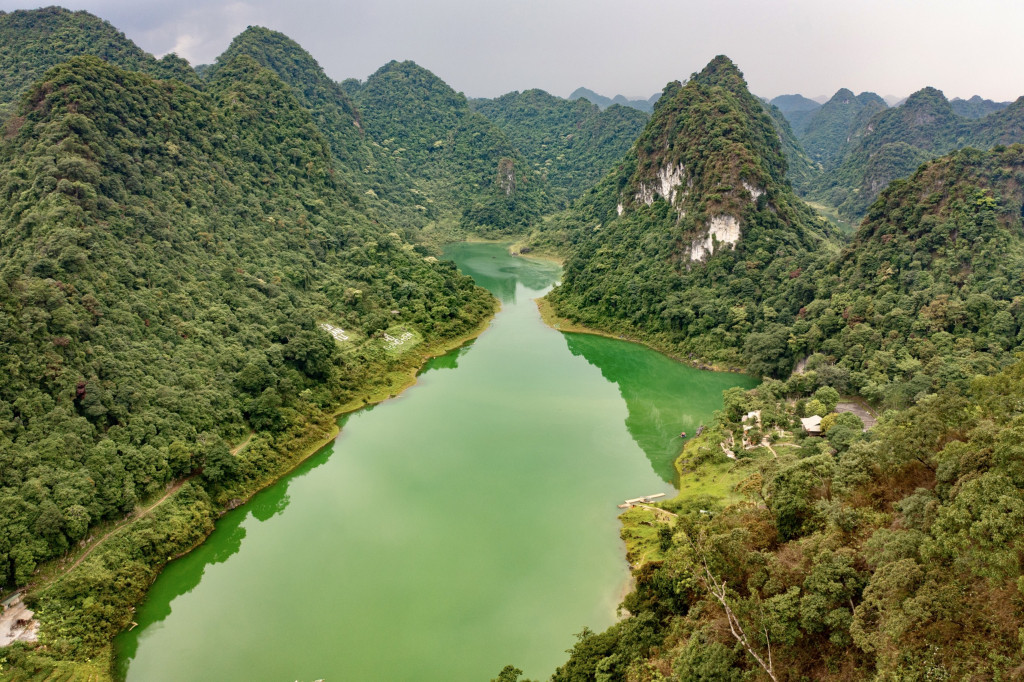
{"x": 493, "y": 269}
{"x": 664, "y": 397}
{"x": 469, "y": 525}
{"x": 449, "y": 360}
{"x": 181, "y": 578}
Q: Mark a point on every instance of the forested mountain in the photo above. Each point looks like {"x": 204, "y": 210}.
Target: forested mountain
{"x": 831, "y": 129}
{"x": 685, "y": 243}
{"x": 893, "y": 554}
{"x": 166, "y": 258}
{"x": 896, "y": 141}
{"x": 332, "y": 111}
{"x": 645, "y": 105}
{"x": 33, "y": 41}
{"x": 465, "y": 173}
{"x": 569, "y": 144}
{"x": 797, "y": 109}
{"x": 801, "y": 170}
{"x": 976, "y": 107}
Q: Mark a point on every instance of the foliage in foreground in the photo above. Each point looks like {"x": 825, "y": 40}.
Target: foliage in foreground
{"x": 890, "y": 555}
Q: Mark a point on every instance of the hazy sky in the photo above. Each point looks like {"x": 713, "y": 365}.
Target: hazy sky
{"x": 488, "y": 47}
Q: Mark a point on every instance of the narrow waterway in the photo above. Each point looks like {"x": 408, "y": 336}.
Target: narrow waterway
{"x": 468, "y": 524}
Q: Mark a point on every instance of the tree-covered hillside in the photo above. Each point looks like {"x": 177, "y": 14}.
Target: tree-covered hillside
{"x": 891, "y": 554}
{"x": 168, "y": 257}
{"x": 829, "y": 131}
{"x": 895, "y": 142}
{"x": 801, "y": 171}
{"x": 466, "y": 174}
{"x": 33, "y": 41}
{"x": 797, "y": 109}
{"x": 333, "y": 112}
{"x": 569, "y": 144}
{"x": 976, "y": 107}
{"x": 928, "y": 293}
{"x": 686, "y": 242}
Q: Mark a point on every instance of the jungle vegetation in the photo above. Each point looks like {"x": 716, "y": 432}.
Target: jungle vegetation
{"x": 173, "y": 239}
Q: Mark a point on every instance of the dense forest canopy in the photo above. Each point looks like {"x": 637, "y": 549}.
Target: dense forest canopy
{"x": 569, "y": 144}
{"x": 464, "y": 171}
{"x": 168, "y": 256}
{"x": 31, "y": 42}
{"x": 686, "y": 241}
{"x": 177, "y": 244}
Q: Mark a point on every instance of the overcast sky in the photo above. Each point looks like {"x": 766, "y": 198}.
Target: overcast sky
{"x": 489, "y": 47}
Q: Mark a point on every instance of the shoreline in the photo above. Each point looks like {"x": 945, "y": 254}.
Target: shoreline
{"x": 565, "y": 325}
{"x": 397, "y": 381}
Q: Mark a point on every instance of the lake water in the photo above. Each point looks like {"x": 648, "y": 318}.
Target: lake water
{"x": 468, "y": 524}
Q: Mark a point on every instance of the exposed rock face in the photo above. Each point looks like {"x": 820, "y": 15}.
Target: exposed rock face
{"x": 507, "y": 176}
{"x": 668, "y": 180}
{"x": 755, "y": 192}
{"x": 723, "y": 229}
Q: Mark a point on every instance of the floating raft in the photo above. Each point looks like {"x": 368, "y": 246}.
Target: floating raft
{"x": 628, "y": 504}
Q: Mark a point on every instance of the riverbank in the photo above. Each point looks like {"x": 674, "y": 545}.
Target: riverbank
{"x": 563, "y": 324}
{"x": 78, "y": 646}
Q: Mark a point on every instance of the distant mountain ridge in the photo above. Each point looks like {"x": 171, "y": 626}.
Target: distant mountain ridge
{"x": 605, "y": 102}
{"x": 976, "y": 107}
{"x": 570, "y": 144}
{"x": 797, "y": 109}
{"x": 895, "y": 142}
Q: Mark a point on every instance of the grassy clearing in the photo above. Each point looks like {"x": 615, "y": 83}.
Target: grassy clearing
{"x": 830, "y": 214}
{"x": 704, "y": 470}
{"x": 641, "y": 532}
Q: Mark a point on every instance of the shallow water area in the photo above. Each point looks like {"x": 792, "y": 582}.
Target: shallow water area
{"x": 468, "y": 524}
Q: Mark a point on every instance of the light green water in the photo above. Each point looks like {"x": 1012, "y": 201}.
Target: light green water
{"x": 468, "y": 524}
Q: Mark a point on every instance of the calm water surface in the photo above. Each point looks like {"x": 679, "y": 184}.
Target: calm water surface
{"x": 468, "y": 524}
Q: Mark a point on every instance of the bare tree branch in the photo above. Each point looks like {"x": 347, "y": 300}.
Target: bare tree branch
{"x": 718, "y": 590}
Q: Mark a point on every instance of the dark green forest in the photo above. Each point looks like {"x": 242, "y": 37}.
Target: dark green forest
{"x": 31, "y": 42}
{"x": 858, "y": 145}
{"x": 570, "y": 145}
{"x": 465, "y": 175}
{"x": 168, "y": 256}
{"x": 177, "y": 243}
{"x": 887, "y": 554}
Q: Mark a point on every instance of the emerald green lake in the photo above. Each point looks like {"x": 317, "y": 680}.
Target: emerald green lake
{"x": 465, "y": 525}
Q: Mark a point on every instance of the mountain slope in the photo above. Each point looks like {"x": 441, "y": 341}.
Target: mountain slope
{"x": 168, "y": 257}
{"x": 891, "y": 554}
{"x": 895, "y": 142}
{"x": 928, "y": 292}
{"x": 830, "y": 130}
{"x": 797, "y": 109}
{"x": 465, "y": 172}
{"x": 685, "y": 243}
{"x": 976, "y": 107}
{"x": 334, "y": 113}
{"x": 33, "y": 41}
{"x": 801, "y": 170}
{"x": 570, "y": 144}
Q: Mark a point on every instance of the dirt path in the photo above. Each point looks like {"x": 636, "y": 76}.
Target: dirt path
{"x": 134, "y": 517}
{"x": 657, "y": 510}
{"x": 173, "y": 488}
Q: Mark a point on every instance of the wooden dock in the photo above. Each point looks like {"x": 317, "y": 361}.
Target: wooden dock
{"x": 646, "y": 499}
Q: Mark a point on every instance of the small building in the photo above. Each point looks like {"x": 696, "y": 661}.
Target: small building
{"x": 812, "y": 425}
